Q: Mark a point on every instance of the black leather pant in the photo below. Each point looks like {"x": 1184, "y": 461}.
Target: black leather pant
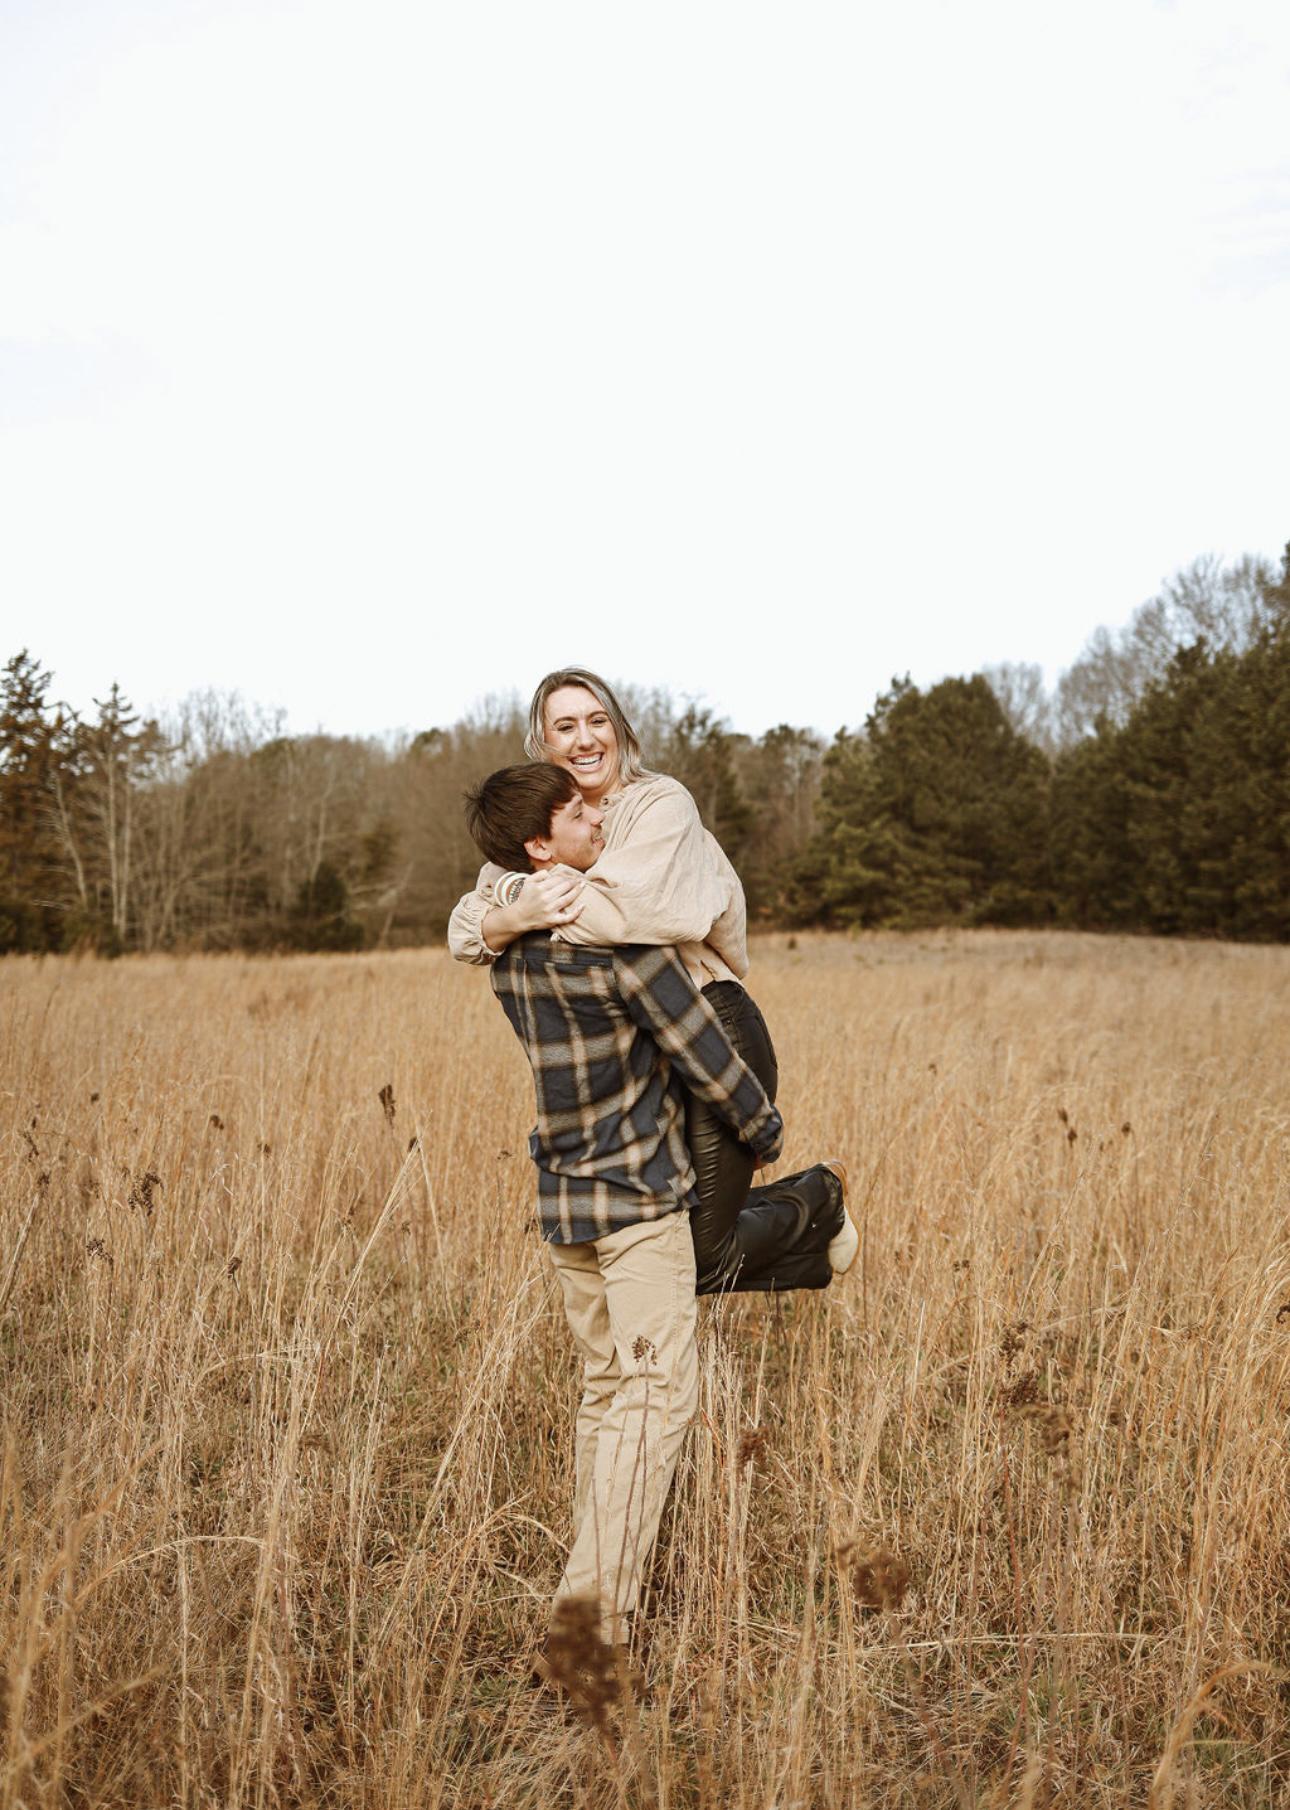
{"x": 748, "y": 1238}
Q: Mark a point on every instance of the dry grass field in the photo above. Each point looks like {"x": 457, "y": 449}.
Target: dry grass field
{"x": 287, "y": 1397}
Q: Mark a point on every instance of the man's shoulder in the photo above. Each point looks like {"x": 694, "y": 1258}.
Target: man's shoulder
{"x": 631, "y": 963}
{"x": 538, "y": 951}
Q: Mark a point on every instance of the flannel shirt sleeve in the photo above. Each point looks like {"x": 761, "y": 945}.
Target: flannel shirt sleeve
{"x": 663, "y": 1000}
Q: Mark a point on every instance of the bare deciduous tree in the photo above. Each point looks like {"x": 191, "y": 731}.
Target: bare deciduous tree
{"x": 1024, "y": 699}
{"x": 1225, "y": 605}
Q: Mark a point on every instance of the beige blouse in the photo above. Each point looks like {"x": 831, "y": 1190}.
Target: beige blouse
{"x": 662, "y": 878}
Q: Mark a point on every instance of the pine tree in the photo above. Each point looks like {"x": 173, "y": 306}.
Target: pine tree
{"x": 31, "y": 890}
{"x": 321, "y": 918}
{"x": 855, "y": 871}
{"x": 1178, "y": 821}
{"x": 1091, "y": 856}
{"x": 701, "y": 753}
{"x": 937, "y": 816}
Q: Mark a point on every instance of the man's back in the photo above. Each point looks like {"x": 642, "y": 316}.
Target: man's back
{"x": 605, "y": 1030}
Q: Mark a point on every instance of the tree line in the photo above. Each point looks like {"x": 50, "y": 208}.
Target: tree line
{"x": 1150, "y": 790}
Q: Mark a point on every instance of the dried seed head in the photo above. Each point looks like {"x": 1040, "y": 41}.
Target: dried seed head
{"x": 644, "y": 1350}
{"x": 1023, "y": 1391}
{"x": 580, "y": 1661}
{"x": 1012, "y": 1339}
{"x": 386, "y": 1097}
{"x": 141, "y": 1192}
{"x": 1054, "y": 1425}
{"x": 879, "y": 1579}
{"x": 750, "y": 1444}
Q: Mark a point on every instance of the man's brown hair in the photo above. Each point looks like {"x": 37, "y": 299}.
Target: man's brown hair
{"x": 513, "y": 805}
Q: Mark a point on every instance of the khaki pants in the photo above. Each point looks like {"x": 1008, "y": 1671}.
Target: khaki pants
{"x": 629, "y": 1298}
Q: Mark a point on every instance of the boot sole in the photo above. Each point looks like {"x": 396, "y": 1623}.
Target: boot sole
{"x": 844, "y": 1245}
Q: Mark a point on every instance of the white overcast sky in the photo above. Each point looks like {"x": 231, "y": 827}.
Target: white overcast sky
{"x": 368, "y": 358}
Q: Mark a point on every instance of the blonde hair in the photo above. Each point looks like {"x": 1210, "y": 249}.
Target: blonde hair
{"x": 630, "y": 765}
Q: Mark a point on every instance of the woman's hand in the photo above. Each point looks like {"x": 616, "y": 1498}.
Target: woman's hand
{"x": 545, "y": 901}
{"x": 548, "y": 899}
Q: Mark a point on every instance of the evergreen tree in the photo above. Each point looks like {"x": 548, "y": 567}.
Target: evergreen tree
{"x": 1093, "y": 864}
{"x": 855, "y": 870}
{"x": 1255, "y": 801}
{"x": 31, "y": 886}
{"x": 939, "y": 816}
{"x": 701, "y": 752}
{"x": 1178, "y": 822}
{"x": 321, "y": 919}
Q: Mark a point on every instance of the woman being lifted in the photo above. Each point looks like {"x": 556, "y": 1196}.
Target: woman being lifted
{"x": 663, "y": 878}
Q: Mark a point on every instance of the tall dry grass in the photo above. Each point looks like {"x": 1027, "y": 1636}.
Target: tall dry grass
{"x": 287, "y": 1397}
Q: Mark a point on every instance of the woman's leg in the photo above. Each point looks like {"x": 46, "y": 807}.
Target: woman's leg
{"x": 751, "y": 1238}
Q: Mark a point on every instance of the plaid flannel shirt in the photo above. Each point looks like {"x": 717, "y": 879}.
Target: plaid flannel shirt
{"x": 614, "y": 1036}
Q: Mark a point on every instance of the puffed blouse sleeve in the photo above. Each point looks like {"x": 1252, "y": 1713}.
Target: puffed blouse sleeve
{"x": 668, "y": 882}
{"x": 465, "y": 926}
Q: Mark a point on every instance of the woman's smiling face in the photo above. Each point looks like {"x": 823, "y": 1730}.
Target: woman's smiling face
{"x": 580, "y": 736}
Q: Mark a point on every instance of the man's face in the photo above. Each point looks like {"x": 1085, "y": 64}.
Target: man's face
{"x": 575, "y": 836}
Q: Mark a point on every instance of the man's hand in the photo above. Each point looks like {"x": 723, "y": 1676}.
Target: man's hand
{"x": 547, "y": 900}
